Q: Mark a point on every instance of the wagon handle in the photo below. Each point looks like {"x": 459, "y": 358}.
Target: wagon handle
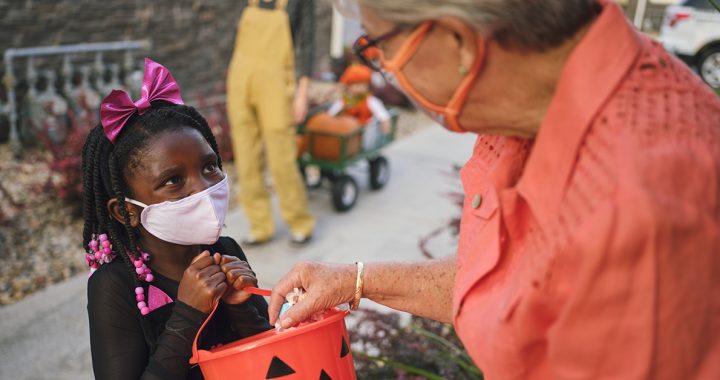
{"x": 195, "y": 358}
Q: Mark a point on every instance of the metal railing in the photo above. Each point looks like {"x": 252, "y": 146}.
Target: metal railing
{"x": 10, "y": 80}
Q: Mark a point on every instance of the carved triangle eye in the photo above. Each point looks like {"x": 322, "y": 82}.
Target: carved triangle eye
{"x": 324, "y": 375}
{"x": 344, "y": 350}
{"x": 278, "y": 368}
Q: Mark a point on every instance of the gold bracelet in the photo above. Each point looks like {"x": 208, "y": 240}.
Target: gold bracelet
{"x": 359, "y": 283}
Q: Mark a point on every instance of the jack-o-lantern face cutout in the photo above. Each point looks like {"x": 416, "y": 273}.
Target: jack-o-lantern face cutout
{"x": 279, "y": 368}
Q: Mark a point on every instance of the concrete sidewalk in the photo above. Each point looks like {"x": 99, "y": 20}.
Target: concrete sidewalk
{"x": 45, "y": 336}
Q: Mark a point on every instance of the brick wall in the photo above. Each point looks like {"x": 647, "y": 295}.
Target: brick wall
{"x": 193, "y": 38}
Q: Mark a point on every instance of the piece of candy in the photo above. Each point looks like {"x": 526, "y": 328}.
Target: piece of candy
{"x": 285, "y": 307}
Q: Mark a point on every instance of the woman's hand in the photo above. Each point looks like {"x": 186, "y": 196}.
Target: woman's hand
{"x": 238, "y": 275}
{"x": 423, "y": 288}
{"x": 326, "y": 286}
{"x": 203, "y": 282}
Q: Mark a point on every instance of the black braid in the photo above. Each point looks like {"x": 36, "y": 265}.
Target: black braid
{"x": 131, "y": 234}
{"x": 90, "y": 217}
{"x": 105, "y": 171}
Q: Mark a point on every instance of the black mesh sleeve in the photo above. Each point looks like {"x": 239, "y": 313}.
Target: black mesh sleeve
{"x": 117, "y": 342}
{"x": 245, "y": 318}
{"x": 118, "y": 346}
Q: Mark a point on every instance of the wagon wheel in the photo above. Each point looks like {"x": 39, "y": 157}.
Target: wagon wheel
{"x": 344, "y": 192}
{"x": 379, "y": 172}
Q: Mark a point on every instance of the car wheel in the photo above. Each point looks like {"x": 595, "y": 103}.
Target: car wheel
{"x": 709, "y": 66}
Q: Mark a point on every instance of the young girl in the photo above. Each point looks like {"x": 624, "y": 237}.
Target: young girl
{"x": 155, "y": 203}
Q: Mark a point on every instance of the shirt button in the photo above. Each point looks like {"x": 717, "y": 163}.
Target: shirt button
{"x": 477, "y": 201}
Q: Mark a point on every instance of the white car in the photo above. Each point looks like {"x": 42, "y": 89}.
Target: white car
{"x": 691, "y": 30}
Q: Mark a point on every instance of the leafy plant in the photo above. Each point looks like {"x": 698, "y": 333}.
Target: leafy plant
{"x": 65, "y": 160}
{"x": 386, "y": 348}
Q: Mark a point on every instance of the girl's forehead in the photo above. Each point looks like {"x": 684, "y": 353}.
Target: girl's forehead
{"x": 176, "y": 146}
{"x": 178, "y": 138}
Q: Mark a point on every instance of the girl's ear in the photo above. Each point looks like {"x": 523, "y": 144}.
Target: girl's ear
{"x": 114, "y": 209}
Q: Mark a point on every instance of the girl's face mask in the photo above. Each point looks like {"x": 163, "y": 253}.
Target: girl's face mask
{"x": 446, "y": 115}
{"x": 194, "y": 220}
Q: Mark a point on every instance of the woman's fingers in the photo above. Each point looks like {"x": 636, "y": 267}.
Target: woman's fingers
{"x": 286, "y": 284}
{"x": 325, "y": 285}
{"x": 303, "y": 310}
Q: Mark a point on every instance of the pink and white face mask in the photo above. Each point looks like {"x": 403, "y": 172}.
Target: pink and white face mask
{"x": 194, "y": 220}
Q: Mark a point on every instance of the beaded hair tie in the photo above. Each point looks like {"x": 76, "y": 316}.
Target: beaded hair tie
{"x": 100, "y": 252}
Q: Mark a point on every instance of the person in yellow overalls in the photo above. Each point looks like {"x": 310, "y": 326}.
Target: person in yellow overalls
{"x": 264, "y": 106}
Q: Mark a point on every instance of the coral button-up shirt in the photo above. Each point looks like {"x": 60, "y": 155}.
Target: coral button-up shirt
{"x": 593, "y": 252}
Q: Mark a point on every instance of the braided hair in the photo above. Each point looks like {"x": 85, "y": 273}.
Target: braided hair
{"x": 106, "y": 167}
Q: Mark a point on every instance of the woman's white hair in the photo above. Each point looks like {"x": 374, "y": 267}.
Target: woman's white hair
{"x": 534, "y": 24}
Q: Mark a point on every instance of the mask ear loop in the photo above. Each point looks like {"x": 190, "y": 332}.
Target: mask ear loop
{"x": 404, "y": 54}
{"x": 459, "y": 99}
{"x": 136, "y": 203}
{"x": 452, "y": 109}
{"x": 408, "y": 49}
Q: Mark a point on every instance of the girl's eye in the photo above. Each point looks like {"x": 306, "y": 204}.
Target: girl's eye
{"x": 210, "y": 168}
{"x": 172, "y": 181}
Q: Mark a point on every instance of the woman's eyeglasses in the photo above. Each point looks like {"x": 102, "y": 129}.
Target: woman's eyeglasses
{"x": 367, "y": 49}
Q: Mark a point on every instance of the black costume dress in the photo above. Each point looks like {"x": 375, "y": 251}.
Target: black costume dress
{"x": 125, "y": 345}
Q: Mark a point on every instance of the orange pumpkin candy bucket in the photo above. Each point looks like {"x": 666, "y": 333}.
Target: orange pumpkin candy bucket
{"x": 312, "y": 350}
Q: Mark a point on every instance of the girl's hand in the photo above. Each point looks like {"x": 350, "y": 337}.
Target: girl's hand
{"x": 203, "y": 283}
{"x": 239, "y": 275}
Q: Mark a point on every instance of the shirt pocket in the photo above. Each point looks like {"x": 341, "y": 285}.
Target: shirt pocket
{"x": 479, "y": 246}
{"x": 482, "y": 204}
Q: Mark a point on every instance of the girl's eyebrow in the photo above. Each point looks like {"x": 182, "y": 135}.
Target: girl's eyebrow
{"x": 167, "y": 172}
{"x": 210, "y": 156}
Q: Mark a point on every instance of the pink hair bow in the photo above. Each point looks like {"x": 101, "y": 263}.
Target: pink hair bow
{"x": 117, "y": 108}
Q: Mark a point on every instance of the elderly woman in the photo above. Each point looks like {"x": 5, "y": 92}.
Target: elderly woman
{"x": 590, "y": 237}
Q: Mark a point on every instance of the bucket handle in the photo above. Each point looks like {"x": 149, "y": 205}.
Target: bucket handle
{"x": 195, "y": 358}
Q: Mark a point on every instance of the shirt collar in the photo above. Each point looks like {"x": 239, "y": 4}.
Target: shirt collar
{"x": 591, "y": 74}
